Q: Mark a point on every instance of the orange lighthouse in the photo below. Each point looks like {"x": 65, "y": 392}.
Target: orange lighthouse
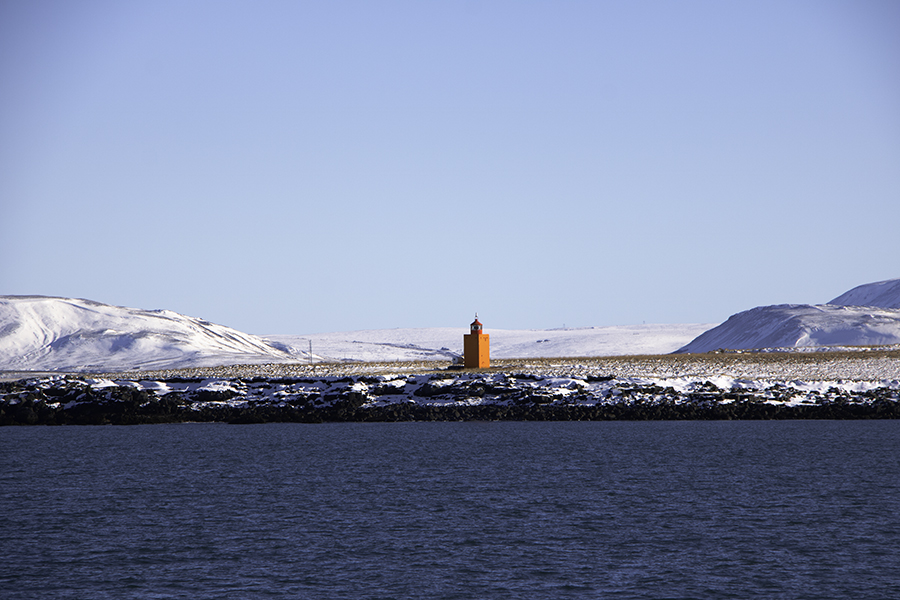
{"x": 476, "y": 347}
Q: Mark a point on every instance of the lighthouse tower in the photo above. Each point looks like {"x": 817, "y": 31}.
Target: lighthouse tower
{"x": 476, "y": 347}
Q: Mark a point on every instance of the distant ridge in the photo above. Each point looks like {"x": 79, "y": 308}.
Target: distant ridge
{"x": 867, "y": 315}
{"x": 443, "y": 343}
{"x": 884, "y": 294}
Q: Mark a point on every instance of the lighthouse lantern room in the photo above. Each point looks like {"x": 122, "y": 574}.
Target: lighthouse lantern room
{"x": 476, "y": 347}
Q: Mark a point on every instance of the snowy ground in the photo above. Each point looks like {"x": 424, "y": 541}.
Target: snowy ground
{"x": 728, "y": 385}
{"x": 389, "y": 389}
{"x": 436, "y": 389}
{"x": 859, "y": 384}
{"x": 856, "y": 365}
{"x": 596, "y": 379}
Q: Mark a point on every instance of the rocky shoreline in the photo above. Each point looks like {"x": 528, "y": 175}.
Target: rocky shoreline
{"x": 676, "y": 388}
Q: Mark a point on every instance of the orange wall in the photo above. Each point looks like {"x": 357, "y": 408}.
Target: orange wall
{"x": 477, "y": 351}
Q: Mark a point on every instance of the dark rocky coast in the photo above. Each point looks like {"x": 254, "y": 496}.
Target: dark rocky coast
{"x": 576, "y": 389}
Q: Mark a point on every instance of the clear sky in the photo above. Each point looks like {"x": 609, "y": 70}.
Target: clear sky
{"x": 302, "y": 167}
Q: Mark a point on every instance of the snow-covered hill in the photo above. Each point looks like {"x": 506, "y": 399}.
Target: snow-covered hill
{"x": 884, "y": 294}
{"x": 802, "y": 325}
{"x": 63, "y": 334}
{"x": 39, "y": 333}
{"x": 867, "y": 315}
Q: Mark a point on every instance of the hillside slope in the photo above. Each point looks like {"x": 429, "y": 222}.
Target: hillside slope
{"x": 39, "y": 333}
{"x": 801, "y": 325}
{"x": 884, "y": 294}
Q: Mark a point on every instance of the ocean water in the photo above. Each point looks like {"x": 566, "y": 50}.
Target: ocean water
{"x": 807, "y": 509}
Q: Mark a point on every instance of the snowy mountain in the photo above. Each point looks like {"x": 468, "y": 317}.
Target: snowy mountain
{"x": 39, "y": 333}
{"x": 801, "y": 325}
{"x": 884, "y": 294}
{"x": 63, "y": 334}
{"x": 867, "y": 315}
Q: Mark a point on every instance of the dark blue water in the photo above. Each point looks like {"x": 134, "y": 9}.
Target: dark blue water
{"x": 806, "y": 509}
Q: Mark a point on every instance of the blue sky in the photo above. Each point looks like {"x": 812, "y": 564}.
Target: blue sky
{"x": 302, "y": 167}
